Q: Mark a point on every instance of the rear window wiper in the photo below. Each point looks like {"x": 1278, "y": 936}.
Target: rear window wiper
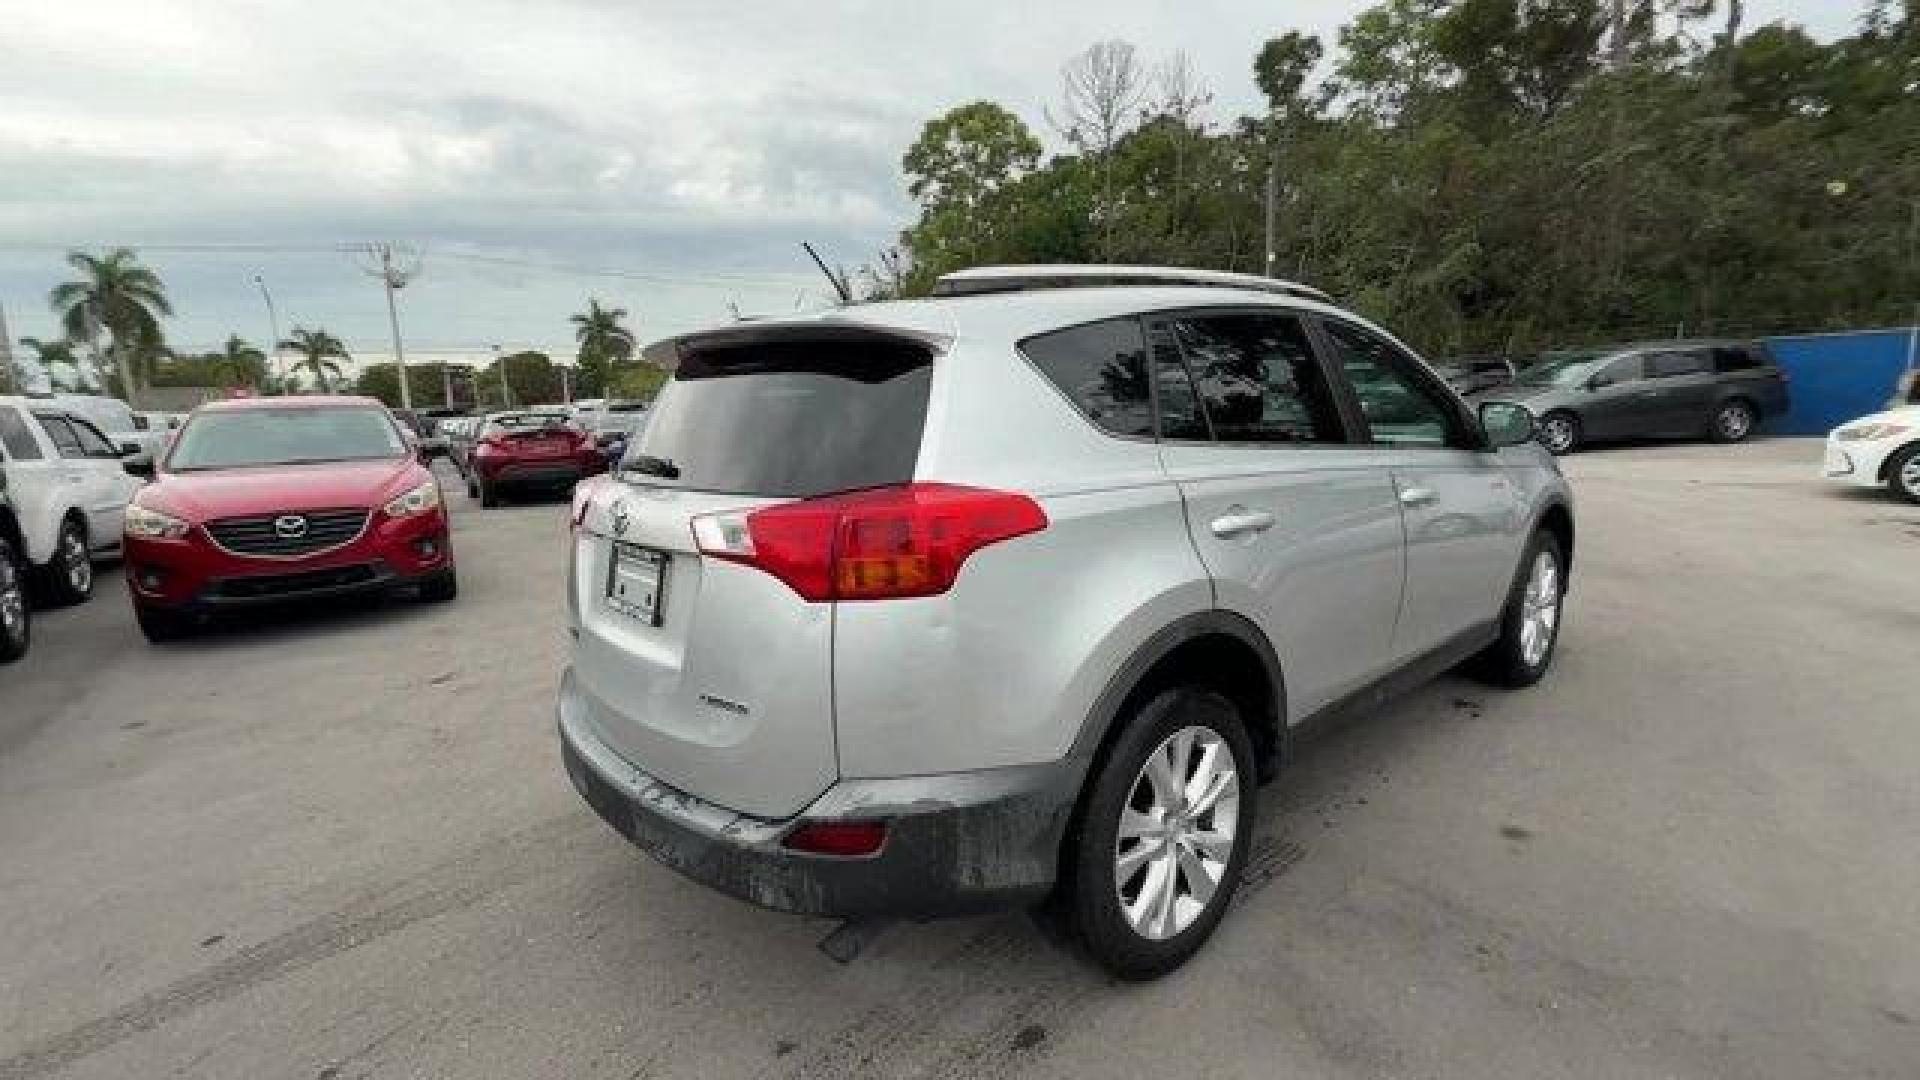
{"x": 647, "y": 465}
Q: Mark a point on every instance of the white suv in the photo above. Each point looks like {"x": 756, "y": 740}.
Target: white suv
{"x": 1015, "y": 593}
{"x": 69, "y": 488}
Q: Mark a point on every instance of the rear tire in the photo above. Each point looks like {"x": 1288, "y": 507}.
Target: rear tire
{"x": 1560, "y": 432}
{"x": 1156, "y": 854}
{"x": 16, "y": 615}
{"x": 440, "y": 588}
{"x": 1733, "y": 421}
{"x": 1530, "y": 622}
{"x": 489, "y": 495}
{"x": 161, "y": 625}
{"x": 1903, "y": 474}
{"x": 68, "y": 576}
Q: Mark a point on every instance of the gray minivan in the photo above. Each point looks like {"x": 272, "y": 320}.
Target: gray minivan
{"x": 1720, "y": 389}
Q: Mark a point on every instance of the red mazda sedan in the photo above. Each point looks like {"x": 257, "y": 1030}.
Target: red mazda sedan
{"x": 527, "y": 450}
{"x": 272, "y": 499}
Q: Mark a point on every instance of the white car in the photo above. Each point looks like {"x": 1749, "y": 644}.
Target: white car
{"x": 1882, "y": 449}
{"x": 69, "y": 487}
{"x": 121, "y": 425}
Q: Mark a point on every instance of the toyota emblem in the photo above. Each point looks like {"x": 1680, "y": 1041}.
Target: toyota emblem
{"x": 290, "y": 526}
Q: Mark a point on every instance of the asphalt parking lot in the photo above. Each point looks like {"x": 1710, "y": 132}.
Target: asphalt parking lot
{"x": 342, "y": 846}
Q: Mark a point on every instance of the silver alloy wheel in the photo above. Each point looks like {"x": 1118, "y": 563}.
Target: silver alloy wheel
{"x": 1910, "y": 476}
{"x": 1735, "y": 421}
{"x": 79, "y": 563}
{"x": 1540, "y": 609}
{"x": 1557, "y": 433}
{"x": 13, "y": 599}
{"x": 1176, "y": 833}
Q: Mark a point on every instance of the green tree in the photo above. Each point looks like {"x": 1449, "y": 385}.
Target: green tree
{"x": 966, "y": 154}
{"x": 117, "y": 296}
{"x": 46, "y": 356}
{"x": 319, "y": 352}
{"x": 604, "y": 343}
{"x": 382, "y": 381}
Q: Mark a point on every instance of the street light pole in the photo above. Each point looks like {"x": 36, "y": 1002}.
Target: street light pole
{"x": 273, "y": 327}
{"x": 392, "y": 281}
{"x": 506, "y": 391}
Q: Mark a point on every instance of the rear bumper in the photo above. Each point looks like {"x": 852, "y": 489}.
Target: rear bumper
{"x": 551, "y": 473}
{"x": 957, "y": 843}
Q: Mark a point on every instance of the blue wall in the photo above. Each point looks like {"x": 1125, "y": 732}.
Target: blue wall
{"x": 1833, "y": 378}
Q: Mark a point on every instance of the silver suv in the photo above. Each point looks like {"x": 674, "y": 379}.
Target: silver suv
{"x": 1016, "y": 593}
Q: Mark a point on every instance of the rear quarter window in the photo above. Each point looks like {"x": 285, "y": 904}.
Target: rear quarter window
{"x": 788, "y": 418}
{"x": 19, "y": 442}
{"x": 1737, "y": 358}
{"x": 1102, "y": 368}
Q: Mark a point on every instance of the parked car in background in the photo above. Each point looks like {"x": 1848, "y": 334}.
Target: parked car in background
{"x": 898, "y": 610}
{"x": 1879, "y": 450}
{"x": 1472, "y": 374}
{"x": 266, "y": 500}
{"x": 16, "y": 614}
{"x": 69, "y": 487}
{"x": 121, "y": 425}
{"x": 530, "y": 451}
{"x": 1722, "y": 390}
{"x": 613, "y": 427}
{"x": 427, "y": 438}
{"x": 459, "y": 432}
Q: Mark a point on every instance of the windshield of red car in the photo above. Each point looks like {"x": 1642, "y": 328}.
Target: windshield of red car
{"x": 253, "y": 437}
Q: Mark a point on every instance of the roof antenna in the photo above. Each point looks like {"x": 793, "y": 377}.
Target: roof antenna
{"x": 839, "y": 285}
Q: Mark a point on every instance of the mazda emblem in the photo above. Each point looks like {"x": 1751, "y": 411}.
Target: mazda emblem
{"x": 290, "y": 526}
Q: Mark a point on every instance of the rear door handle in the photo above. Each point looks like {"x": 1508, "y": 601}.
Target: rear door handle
{"x": 1418, "y": 496}
{"x": 1240, "y": 521}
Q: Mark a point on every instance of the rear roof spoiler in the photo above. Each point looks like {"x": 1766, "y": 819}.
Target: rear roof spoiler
{"x": 999, "y": 279}
{"x": 666, "y": 353}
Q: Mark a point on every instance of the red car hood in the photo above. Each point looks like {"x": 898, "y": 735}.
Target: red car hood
{"x": 204, "y": 496}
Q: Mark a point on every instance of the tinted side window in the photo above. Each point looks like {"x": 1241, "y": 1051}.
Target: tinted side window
{"x": 1736, "y": 358}
{"x": 1102, "y": 368}
{"x": 20, "y": 443}
{"x": 1402, "y": 409}
{"x": 1625, "y": 369}
{"x": 1669, "y": 365}
{"x": 60, "y": 430}
{"x": 92, "y": 443}
{"x": 1257, "y": 377}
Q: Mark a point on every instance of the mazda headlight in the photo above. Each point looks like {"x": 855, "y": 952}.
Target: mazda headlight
{"x": 1872, "y": 432}
{"x": 154, "y": 525}
{"x": 417, "y": 501}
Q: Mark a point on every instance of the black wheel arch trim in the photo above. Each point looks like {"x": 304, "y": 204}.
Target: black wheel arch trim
{"x": 1097, "y": 729}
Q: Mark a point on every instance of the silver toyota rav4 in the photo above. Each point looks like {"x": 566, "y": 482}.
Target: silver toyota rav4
{"x": 1017, "y": 593}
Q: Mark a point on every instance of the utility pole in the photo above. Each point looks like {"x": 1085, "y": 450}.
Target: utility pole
{"x": 506, "y": 391}
{"x": 1273, "y": 196}
{"x": 446, "y": 383}
{"x": 394, "y": 274}
{"x": 6, "y": 355}
{"x": 278, "y": 373}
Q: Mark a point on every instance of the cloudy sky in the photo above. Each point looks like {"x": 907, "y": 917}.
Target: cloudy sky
{"x": 665, "y": 156}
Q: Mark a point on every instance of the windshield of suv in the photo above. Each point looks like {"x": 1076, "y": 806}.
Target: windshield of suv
{"x": 253, "y": 437}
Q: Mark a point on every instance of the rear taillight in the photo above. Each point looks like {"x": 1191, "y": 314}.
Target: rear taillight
{"x": 879, "y": 544}
{"x": 844, "y": 839}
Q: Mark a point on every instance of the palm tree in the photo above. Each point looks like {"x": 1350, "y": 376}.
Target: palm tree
{"x": 315, "y": 347}
{"x": 119, "y": 296}
{"x": 243, "y": 363}
{"x": 603, "y": 343}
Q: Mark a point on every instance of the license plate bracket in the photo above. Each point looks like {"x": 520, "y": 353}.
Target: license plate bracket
{"x": 637, "y": 582}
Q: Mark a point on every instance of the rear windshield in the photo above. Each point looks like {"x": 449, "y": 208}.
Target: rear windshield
{"x": 245, "y": 437}
{"x": 787, "y": 419}
{"x": 533, "y": 422}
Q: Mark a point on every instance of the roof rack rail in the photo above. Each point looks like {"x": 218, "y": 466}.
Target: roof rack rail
{"x": 996, "y": 279}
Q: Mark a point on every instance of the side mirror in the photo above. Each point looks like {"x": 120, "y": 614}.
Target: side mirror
{"x": 1596, "y": 381}
{"x": 131, "y": 449}
{"x": 1506, "y": 423}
